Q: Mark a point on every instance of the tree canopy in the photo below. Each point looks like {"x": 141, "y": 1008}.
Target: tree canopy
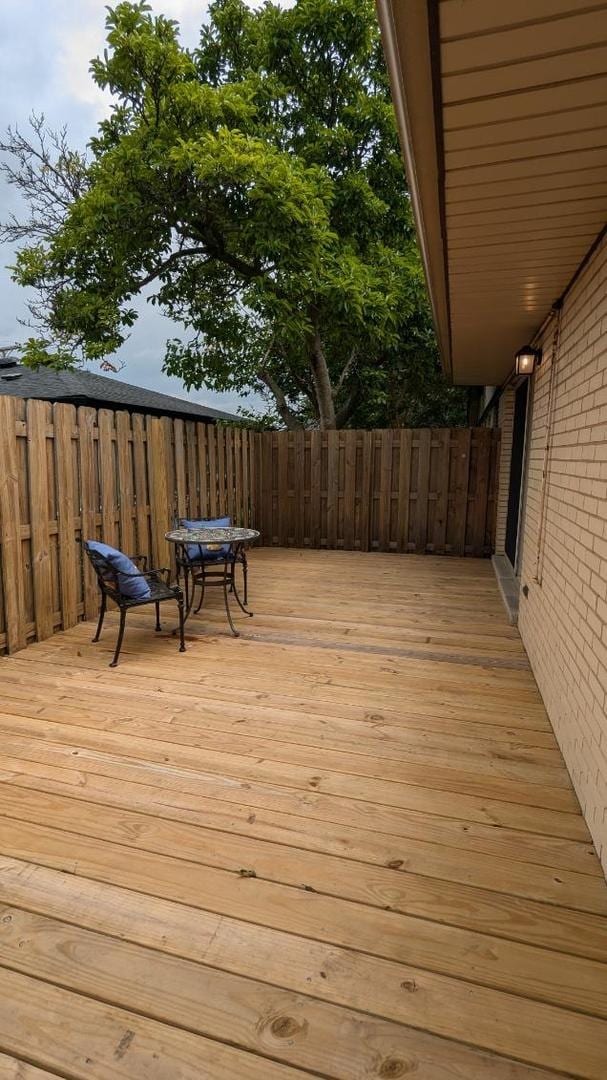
{"x": 252, "y": 188}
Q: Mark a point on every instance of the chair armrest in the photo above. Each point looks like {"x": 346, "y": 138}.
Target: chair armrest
{"x": 153, "y": 574}
{"x": 157, "y": 573}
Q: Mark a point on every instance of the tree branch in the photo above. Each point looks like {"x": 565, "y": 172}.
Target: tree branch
{"x": 285, "y": 413}
{"x": 345, "y": 372}
{"x": 241, "y": 267}
{"x": 169, "y": 262}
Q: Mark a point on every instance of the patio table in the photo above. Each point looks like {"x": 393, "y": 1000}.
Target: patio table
{"x": 234, "y": 538}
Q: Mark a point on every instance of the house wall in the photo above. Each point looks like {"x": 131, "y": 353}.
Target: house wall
{"x": 563, "y": 619}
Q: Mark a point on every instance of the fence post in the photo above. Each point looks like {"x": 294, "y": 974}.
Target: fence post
{"x": 10, "y": 529}
{"x": 161, "y": 505}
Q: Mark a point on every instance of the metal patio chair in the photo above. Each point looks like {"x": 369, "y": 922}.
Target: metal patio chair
{"x": 109, "y": 581}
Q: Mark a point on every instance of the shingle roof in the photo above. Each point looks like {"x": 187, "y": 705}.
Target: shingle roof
{"x": 86, "y": 388}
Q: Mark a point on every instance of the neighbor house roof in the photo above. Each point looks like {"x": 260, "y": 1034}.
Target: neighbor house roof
{"x": 86, "y": 388}
{"x": 503, "y": 120}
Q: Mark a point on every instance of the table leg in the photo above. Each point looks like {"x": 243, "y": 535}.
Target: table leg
{"x": 228, "y": 579}
{"x": 241, "y": 605}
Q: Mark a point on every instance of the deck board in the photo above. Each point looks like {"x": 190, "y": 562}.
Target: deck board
{"x": 344, "y": 845}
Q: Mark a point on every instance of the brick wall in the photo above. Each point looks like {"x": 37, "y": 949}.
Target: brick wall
{"x": 505, "y": 422}
{"x": 563, "y": 621}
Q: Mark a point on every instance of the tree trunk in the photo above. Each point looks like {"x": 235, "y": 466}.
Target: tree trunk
{"x": 345, "y": 412}
{"x": 322, "y": 384}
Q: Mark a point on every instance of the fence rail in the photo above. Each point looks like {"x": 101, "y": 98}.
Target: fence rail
{"x": 423, "y": 490}
{"x": 68, "y": 473}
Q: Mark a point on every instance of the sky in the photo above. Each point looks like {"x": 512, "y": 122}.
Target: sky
{"x": 45, "y": 50}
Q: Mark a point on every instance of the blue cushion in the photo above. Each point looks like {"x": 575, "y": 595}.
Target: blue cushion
{"x": 199, "y": 552}
{"x": 135, "y": 588}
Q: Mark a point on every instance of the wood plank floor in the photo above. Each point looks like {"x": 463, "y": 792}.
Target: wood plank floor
{"x": 344, "y": 845}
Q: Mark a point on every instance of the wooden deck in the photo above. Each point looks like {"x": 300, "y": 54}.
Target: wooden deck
{"x": 344, "y": 845}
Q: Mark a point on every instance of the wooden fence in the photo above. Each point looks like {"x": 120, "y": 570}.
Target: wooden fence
{"x": 403, "y": 490}
{"x": 68, "y": 473}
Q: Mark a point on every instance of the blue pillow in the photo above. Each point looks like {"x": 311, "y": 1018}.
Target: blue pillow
{"x": 135, "y": 588}
{"x": 197, "y": 552}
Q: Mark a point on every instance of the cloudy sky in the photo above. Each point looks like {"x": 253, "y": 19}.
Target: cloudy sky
{"x": 45, "y": 50}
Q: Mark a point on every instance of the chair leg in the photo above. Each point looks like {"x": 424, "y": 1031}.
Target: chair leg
{"x": 101, "y": 617}
{"x": 180, "y": 605}
{"x": 158, "y": 626}
{"x": 120, "y": 637}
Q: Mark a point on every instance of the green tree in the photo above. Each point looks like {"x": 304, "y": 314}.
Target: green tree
{"x": 254, "y": 189}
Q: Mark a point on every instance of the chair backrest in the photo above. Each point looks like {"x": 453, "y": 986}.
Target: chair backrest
{"x": 117, "y": 572}
{"x": 107, "y": 575}
{"x": 197, "y": 552}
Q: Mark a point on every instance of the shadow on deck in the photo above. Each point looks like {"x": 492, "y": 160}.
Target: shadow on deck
{"x": 342, "y": 845}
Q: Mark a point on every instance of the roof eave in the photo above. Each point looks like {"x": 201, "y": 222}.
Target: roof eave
{"x": 410, "y": 69}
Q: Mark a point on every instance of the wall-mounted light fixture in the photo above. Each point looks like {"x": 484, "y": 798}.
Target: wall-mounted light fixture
{"x": 526, "y": 360}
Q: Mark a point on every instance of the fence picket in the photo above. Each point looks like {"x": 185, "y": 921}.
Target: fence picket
{"x": 192, "y": 485}
{"x": 126, "y": 493}
{"x": 366, "y": 504}
{"x": 423, "y": 489}
{"x": 315, "y": 478}
{"x": 179, "y": 457}
{"x": 222, "y": 496}
{"x": 107, "y": 477}
{"x": 283, "y": 489}
{"x": 439, "y": 534}
{"x": 385, "y": 490}
{"x": 213, "y": 507}
{"x": 478, "y": 512}
{"x": 299, "y": 502}
{"x": 160, "y": 505}
{"x": 332, "y": 487}
{"x": 203, "y": 482}
{"x": 10, "y": 529}
{"x": 404, "y": 489}
{"x": 39, "y": 517}
{"x": 350, "y": 443}
{"x": 141, "y": 487}
{"x": 64, "y": 417}
{"x": 89, "y": 502}
{"x": 248, "y": 478}
{"x": 460, "y": 492}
